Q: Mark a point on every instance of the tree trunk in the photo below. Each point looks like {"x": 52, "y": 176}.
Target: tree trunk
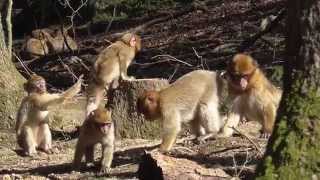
{"x": 293, "y": 151}
{"x": 123, "y": 102}
{"x": 10, "y": 79}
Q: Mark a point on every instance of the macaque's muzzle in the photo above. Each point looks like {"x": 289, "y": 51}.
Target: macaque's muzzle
{"x": 104, "y": 127}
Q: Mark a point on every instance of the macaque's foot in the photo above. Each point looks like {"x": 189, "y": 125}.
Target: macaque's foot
{"x": 265, "y": 135}
{"x": 105, "y": 170}
{"x": 128, "y": 78}
{"x": 89, "y": 164}
{"x": 243, "y": 121}
{"x": 30, "y": 153}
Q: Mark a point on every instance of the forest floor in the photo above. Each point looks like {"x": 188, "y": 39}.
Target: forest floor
{"x": 203, "y": 37}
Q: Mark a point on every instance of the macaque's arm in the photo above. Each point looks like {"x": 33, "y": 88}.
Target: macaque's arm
{"x": 54, "y": 99}
{"x": 22, "y": 114}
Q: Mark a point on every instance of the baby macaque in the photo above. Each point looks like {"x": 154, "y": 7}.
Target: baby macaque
{"x": 111, "y": 64}
{"x": 32, "y": 127}
{"x": 193, "y": 98}
{"x": 97, "y": 128}
{"x": 254, "y": 96}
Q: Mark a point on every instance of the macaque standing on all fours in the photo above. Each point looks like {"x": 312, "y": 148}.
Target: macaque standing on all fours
{"x": 32, "y": 127}
{"x": 111, "y": 64}
{"x": 254, "y": 96}
{"x": 97, "y": 128}
{"x": 193, "y": 99}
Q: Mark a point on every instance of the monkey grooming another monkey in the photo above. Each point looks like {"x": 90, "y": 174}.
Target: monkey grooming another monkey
{"x": 254, "y": 96}
{"x": 97, "y": 128}
{"x": 111, "y": 64}
{"x": 193, "y": 98}
{"x": 60, "y": 41}
{"x": 32, "y": 127}
{"x": 37, "y": 45}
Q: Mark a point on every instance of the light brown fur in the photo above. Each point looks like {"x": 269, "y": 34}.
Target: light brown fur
{"x": 38, "y": 44}
{"x": 32, "y": 127}
{"x": 61, "y": 41}
{"x": 111, "y": 64}
{"x": 254, "y": 96}
{"x": 193, "y": 98}
{"x": 91, "y": 134}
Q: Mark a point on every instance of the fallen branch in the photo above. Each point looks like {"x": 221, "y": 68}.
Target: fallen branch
{"x": 155, "y": 165}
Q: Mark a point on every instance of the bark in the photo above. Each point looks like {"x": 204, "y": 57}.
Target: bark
{"x": 123, "y": 100}
{"x": 10, "y": 79}
{"x": 293, "y": 151}
{"x": 157, "y": 166}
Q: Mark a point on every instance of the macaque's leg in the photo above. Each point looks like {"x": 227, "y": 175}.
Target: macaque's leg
{"x": 89, "y": 154}
{"x": 44, "y": 135}
{"x": 80, "y": 151}
{"x": 210, "y": 119}
{"x": 196, "y": 127}
{"x": 107, "y": 156}
{"x": 30, "y": 143}
{"x": 268, "y": 121}
{"x": 94, "y": 99}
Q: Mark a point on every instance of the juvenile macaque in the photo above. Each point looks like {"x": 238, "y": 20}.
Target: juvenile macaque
{"x": 32, "y": 127}
{"x": 37, "y": 45}
{"x": 111, "y": 64}
{"x": 254, "y": 96}
{"x": 97, "y": 128}
{"x": 58, "y": 44}
{"x": 193, "y": 98}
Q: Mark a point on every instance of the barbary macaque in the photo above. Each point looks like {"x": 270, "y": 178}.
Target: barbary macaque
{"x": 254, "y": 96}
{"x": 32, "y": 127}
{"x": 111, "y": 64}
{"x": 61, "y": 41}
{"x": 193, "y": 98}
{"x": 97, "y": 128}
{"x": 37, "y": 45}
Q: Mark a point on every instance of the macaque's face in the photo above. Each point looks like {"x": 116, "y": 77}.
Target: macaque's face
{"x": 240, "y": 81}
{"x": 133, "y": 41}
{"x": 103, "y": 127}
{"x": 40, "y": 86}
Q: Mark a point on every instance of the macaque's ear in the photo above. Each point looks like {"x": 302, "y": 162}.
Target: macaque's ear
{"x": 255, "y": 63}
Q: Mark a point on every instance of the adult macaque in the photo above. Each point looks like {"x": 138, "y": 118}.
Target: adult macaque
{"x": 37, "y": 45}
{"x": 32, "y": 127}
{"x": 61, "y": 41}
{"x": 193, "y": 98}
{"x": 111, "y": 64}
{"x": 97, "y": 128}
{"x": 254, "y": 96}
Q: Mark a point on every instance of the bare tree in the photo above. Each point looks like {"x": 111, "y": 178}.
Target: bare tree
{"x": 293, "y": 151}
{"x": 10, "y": 79}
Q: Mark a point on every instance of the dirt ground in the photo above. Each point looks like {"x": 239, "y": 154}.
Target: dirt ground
{"x": 236, "y": 155}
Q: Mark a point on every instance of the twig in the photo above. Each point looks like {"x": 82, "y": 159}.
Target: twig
{"x": 67, "y": 68}
{"x": 22, "y": 64}
{"x": 172, "y": 59}
{"x": 249, "y": 139}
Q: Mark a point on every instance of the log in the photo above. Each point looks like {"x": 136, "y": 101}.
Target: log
{"x": 122, "y": 100}
{"x": 157, "y": 166}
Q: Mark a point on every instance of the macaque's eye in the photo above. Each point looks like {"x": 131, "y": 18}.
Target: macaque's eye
{"x": 102, "y": 124}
